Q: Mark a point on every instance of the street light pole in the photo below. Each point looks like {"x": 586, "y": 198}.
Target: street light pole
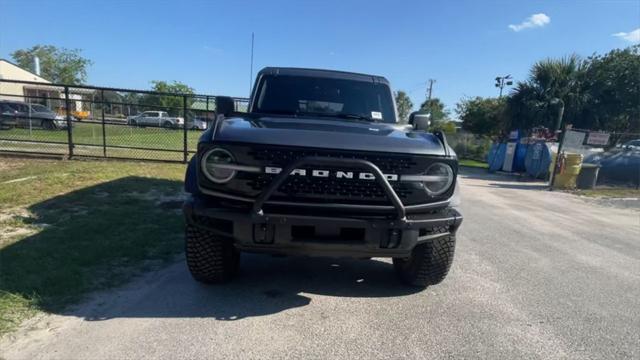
{"x": 501, "y": 81}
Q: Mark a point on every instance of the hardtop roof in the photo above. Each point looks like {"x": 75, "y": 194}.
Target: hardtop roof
{"x": 335, "y": 74}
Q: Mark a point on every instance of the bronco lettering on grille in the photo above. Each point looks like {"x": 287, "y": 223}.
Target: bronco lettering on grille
{"x": 327, "y": 173}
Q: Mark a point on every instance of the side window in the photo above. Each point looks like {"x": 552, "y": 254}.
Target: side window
{"x": 153, "y": 114}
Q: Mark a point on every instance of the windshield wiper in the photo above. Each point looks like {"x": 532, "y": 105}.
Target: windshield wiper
{"x": 338, "y": 115}
{"x": 354, "y": 116}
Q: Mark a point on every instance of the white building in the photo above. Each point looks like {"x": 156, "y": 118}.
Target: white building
{"x": 18, "y": 92}
{"x": 45, "y": 94}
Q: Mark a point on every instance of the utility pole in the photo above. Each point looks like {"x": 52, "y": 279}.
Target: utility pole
{"x": 251, "y": 69}
{"x": 501, "y": 81}
{"x": 430, "y": 89}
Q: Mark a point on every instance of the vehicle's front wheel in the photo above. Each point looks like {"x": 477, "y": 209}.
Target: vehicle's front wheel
{"x": 48, "y": 125}
{"x": 210, "y": 259}
{"x": 167, "y": 125}
{"x": 428, "y": 264}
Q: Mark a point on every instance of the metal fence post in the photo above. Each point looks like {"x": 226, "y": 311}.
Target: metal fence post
{"x": 184, "y": 127}
{"x": 69, "y": 125}
{"x": 104, "y": 134}
{"x": 555, "y": 163}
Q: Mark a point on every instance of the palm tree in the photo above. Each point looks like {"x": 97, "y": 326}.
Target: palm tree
{"x": 553, "y": 84}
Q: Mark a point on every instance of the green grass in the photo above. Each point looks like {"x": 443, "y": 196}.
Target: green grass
{"x": 116, "y": 135}
{"x": 71, "y": 227}
{"x": 473, "y": 163}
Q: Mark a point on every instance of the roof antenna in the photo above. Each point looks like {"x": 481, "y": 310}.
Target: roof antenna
{"x": 251, "y": 70}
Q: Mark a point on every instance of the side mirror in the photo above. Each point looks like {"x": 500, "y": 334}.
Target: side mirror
{"x": 420, "y": 120}
{"x": 225, "y": 105}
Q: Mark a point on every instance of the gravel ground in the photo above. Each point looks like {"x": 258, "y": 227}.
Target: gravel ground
{"x": 537, "y": 274}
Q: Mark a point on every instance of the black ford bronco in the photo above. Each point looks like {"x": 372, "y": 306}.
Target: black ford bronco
{"x": 320, "y": 166}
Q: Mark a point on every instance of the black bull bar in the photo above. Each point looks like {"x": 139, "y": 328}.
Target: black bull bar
{"x": 401, "y": 213}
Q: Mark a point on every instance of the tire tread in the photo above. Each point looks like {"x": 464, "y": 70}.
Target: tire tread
{"x": 209, "y": 258}
{"x": 429, "y": 263}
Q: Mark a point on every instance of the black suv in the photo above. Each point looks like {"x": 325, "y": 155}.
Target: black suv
{"x": 320, "y": 166}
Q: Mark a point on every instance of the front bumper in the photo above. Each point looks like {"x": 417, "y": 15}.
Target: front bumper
{"x": 199, "y": 125}
{"x": 7, "y": 122}
{"x": 348, "y": 235}
{"x": 60, "y": 124}
{"x": 339, "y": 233}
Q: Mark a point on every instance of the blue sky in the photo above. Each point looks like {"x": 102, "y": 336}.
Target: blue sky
{"x": 464, "y": 45}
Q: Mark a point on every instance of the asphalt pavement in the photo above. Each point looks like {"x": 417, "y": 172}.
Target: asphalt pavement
{"x": 537, "y": 274}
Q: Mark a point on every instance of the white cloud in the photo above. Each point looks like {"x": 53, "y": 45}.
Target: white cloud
{"x": 533, "y": 21}
{"x": 632, "y": 36}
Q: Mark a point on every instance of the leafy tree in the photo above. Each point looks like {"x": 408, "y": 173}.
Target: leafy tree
{"x": 404, "y": 105}
{"x": 58, "y": 65}
{"x": 447, "y": 127}
{"x": 169, "y": 103}
{"x": 612, "y": 86}
{"x": 435, "y": 107}
{"x": 483, "y": 116}
{"x": 599, "y": 93}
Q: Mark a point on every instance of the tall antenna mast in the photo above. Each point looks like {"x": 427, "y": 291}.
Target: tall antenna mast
{"x": 251, "y": 71}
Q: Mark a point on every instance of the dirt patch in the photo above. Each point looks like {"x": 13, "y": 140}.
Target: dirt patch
{"x": 161, "y": 199}
{"x": 9, "y": 233}
{"x": 10, "y": 164}
{"x": 17, "y": 223}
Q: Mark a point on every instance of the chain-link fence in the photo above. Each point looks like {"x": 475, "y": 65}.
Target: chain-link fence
{"x": 70, "y": 120}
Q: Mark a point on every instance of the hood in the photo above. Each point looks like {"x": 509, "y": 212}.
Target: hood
{"x": 328, "y": 134}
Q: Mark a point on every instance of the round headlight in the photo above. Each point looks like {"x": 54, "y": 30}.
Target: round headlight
{"x": 213, "y": 165}
{"x": 438, "y": 179}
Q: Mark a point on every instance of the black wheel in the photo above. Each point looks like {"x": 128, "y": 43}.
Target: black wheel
{"x": 167, "y": 125}
{"x": 210, "y": 259}
{"x": 428, "y": 264}
{"x": 48, "y": 125}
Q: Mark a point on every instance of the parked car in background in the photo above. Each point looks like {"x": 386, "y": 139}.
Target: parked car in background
{"x": 7, "y": 118}
{"x": 632, "y": 145}
{"x": 25, "y": 115}
{"x": 155, "y": 118}
{"x": 197, "y": 123}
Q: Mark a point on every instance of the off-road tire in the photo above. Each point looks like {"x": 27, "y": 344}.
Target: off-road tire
{"x": 210, "y": 259}
{"x": 428, "y": 264}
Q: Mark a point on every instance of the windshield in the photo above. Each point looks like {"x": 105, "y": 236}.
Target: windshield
{"x": 302, "y": 95}
{"x": 40, "y": 108}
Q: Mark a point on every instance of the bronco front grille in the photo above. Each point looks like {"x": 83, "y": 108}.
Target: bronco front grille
{"x": 396, "y": 164}
{"x": 335, "y": 190}
{"x": 349, "y": 189}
